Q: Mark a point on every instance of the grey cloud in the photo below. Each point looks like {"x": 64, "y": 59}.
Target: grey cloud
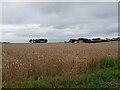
{"x": 61, "y": 20}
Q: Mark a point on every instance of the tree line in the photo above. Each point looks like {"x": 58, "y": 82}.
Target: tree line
{"x": 93, "y": 40}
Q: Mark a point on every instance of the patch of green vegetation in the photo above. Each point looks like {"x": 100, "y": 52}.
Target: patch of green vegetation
{"x": 102, "y": 63}
{"x": 55, "y": 70}
{"x": 101, "y": 73}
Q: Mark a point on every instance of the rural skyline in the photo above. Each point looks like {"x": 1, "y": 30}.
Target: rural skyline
{"x": 59, "y": 44}
{"x": 58, "y": 21}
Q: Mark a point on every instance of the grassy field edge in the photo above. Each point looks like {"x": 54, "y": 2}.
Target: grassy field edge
{"x": 100, "y": 73}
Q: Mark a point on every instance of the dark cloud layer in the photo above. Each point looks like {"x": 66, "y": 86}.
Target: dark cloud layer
{"x": 56, "y": 21}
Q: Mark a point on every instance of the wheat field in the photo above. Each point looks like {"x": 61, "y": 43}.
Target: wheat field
{"x": 24, "y": 61}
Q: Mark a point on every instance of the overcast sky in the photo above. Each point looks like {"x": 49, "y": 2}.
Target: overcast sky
{"x": 58, "y": 21}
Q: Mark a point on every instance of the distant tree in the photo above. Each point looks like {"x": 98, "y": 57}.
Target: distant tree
{"x": 30, "y": 40}
{"x": 86, "y": 40}
{"x": 65, "y": 41}
{"x": 39, "y": 40}
{"x": 79, "y": 39}
{"x": 72, "y": 40}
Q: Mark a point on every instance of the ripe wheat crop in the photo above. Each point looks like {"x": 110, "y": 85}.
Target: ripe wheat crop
{"x": 28, "y": 61}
